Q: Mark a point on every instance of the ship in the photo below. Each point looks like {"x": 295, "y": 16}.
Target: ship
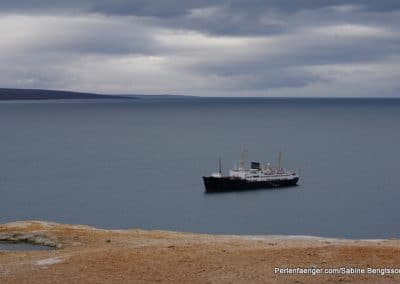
{"x": 255, "y": 176}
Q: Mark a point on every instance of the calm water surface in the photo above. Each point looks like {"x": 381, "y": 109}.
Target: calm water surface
{"x": 125, "y": 164}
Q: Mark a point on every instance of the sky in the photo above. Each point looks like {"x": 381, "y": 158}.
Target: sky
{"x": 274, "y": 48}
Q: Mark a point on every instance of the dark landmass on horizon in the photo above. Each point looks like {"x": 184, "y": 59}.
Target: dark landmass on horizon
{"x": 10, "y": 94}
{"x": 14, "y": 94}
{"x": 40, "y": 94}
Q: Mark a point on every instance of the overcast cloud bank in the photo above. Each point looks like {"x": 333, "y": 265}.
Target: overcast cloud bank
{"x": 235, "y": 48}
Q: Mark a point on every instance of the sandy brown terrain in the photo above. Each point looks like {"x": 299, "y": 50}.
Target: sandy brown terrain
{"x": 87, "y": 255}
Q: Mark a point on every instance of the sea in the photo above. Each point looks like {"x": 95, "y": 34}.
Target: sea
{"x": 138, "y": 163}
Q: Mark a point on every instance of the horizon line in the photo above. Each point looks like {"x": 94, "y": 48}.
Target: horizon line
{"x": 192, "y": 96}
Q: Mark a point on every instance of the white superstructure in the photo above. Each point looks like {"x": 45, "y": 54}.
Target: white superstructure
{"x": 266, "y": 173}
{"x": 258, "y": 172}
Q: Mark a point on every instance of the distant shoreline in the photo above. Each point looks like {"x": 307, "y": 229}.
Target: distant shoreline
{"x": 10, "y": 94}
{"x": 14, "y": 94}
{"x": 38, "y": 94}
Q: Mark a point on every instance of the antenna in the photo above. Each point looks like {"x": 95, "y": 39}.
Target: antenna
{"x": 242, "y": 163}
{"x": 279, "y": 160}
{"x": 220, "y": 165}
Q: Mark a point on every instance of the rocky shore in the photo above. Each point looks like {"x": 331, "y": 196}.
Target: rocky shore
{"x": 84, "y": 254}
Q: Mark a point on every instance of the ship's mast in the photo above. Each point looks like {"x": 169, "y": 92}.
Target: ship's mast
{"x": 279, "y": 160}
{"x": 220, "y": 165}
{"x": 242, "y": 163}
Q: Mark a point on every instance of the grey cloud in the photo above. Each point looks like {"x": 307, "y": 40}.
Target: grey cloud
{"x": 102, "y": 36}
{"x": 274, "y": 79}
{"x": 269, "y": 47}
{"x": 236, "y": 17}
{"x": 172, "y": 8}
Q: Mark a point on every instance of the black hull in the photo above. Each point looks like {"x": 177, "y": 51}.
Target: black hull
{"x": 226, "y": 184}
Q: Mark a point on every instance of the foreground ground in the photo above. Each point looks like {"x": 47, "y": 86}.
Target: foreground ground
{"x": 88, "y": 255}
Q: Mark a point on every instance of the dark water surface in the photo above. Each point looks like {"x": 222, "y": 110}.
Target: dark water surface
{"x": 125, "y": 164}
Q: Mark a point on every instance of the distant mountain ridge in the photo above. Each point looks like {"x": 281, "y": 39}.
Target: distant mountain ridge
{"x": 8, "y": 94}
